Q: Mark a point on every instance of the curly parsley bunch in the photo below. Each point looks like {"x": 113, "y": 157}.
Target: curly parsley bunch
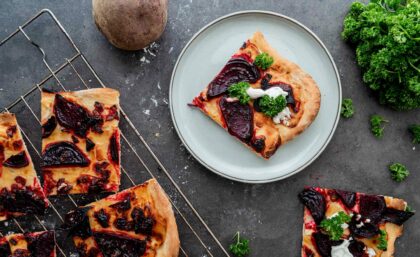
{"x": 386, "y": 34}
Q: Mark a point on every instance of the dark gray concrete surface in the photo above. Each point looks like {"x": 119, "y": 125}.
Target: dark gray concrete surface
{"x": 270, "y": 215}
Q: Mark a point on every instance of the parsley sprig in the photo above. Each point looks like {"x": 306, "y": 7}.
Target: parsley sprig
{"x": 347, "y": 109}
{"x": 415, "y": 132}
{"x": 382, "y": 240}
{"x": 398, "y": 172}
{"x": 240, "y": 246}
{"x": 333, "y": 226}
{"x": 238, "y": 90}
{"x": 376, "y": 125}
{"x": 272, "y": 106}
{"x": 264, "y": 61}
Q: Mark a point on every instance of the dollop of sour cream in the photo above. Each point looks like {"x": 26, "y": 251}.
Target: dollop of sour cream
{"x": 274, "y": 92}
{"x": 341, "y": 250}
{"x": 371, "y": 252}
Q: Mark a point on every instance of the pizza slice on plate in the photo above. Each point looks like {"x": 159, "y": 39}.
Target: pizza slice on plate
{"x": 80, "y": 141}
{"x": 37, "y": 244}
{"x": 138, "y": 221}
{"x": 261, "y": 98}
{"x": 20, "y": 190}
{"x": 347, "y": 224}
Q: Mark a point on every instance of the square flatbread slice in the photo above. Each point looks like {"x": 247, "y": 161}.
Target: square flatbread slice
{"x": 80, "y": 141}
{"x": 261, "y": 133}
{"x": 136, "y": 222}
{"x": 20, "y": 190}
{"x": 36, "y": 244}
{"x": 374, "y": 223}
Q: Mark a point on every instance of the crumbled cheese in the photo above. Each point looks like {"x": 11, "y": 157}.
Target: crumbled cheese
{"x": 283, "y": 116}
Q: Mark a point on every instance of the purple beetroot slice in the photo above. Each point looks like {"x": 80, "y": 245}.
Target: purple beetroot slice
{"x": 348, "y": 198}
{"x": 48, "y": 127}
{"x": 357, "y": 248}
{"x": 238, "y": 118}
{"x": 118, "y": 246}
{"x": 72, "y": 116}
{"x": 63, "y": 154}
{"x": 363, "y": 230}
{"x": 236, "y": 70}
{"x": 41, "y": 245}
{"x": 372, "y": 206}
{"x": 323, "y": 244}
{"x": 19, "y": 160}
{"x": 315, "y": 202}
{"x": 396, "y": 216}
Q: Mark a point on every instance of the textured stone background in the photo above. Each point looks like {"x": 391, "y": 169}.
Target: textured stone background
{"x": 269, "y": 215}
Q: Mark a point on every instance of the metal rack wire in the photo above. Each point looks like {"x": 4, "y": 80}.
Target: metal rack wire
{"x": 181, "y": 214}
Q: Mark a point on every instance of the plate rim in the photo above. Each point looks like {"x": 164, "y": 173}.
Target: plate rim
{"x": 317, "y": 39}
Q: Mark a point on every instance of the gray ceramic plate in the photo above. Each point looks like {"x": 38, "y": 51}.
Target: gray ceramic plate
{"x": 203, "y": 57}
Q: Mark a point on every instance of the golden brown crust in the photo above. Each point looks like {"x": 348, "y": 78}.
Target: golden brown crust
{"x": 393, "y": 231}
{"x": 108, "y": 98}
{"x": 305, "y": 92}
{"x": 12, "y": 144}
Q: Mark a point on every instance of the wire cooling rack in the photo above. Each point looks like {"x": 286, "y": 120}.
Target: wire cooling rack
{"x": 139, "y": 162}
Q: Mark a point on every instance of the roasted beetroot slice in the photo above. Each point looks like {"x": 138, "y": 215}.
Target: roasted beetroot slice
{"x": 118, "y": 246}
{"x": 365, "y": 230}
{"x": 290, "y": 99}
{"x": 41, "y": 245}
{"x": 236, "y": 70}
{"x": 5, "y": 249}
{"x": 396, "y": 216}
{"x": 19, "y": 160}
{"x": 114, "y": 148}
{"x": 102, "y": 217}
{"x": 238, "y": 118}
{"x": 22, "y": 200}
{"x": 348, "y": 198}
{"x": 122, "y": 206}
{"x": 357, "y": 248}
{"x": 64, "y": 154}
{"x": 372, "y": 206}
{"x": 315, "y": 202}
{"x": 77, "y": 222}
{"x": 323, "y": 244}
{"x": 48, "y": 127}
{"x": 71, "y": 116}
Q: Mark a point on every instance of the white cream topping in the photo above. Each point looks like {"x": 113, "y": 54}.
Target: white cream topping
{"x": 284, "y": 116}
{"x": 274, "y": 92}
{"x": 371, "y": 252}
{"x": 341, "y": 250}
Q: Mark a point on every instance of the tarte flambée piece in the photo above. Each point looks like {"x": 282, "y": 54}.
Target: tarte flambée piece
{"x": 138, "y": 221}
{"x": 342, "y": 223}
{"x": 80, "y": 141}
{"x": 36, "y": 244}
{"x": 260, "y": 130}
{"x": 20, "y": 190}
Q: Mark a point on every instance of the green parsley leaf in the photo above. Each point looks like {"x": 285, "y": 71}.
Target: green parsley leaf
{"x": 408, "y": 208}
{"x": 415, "y": 132}
{"x": 238, "y": 90}
{"x": 272, "y": 106}
{"x": 264, "y": 61}
{"x": 240, "y": 246}
{"x": 398, "y": 172}
{"x": 347, "y": 109}
{"x": 376, "y": 125}
{"x": 386, "y": 36}
{"x": 333, "y": 226}
{"x": 382, "y": 240}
